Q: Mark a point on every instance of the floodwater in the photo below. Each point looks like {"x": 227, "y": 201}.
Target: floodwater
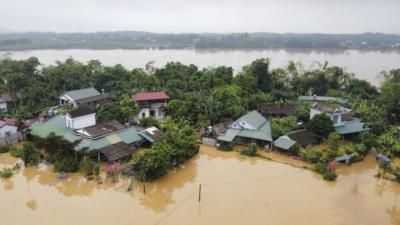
{"x": 365, "y": 64}
{"x": 235, "y": 190}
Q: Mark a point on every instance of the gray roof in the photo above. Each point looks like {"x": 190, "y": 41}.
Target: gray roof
{"x": 82, "y": 93}
{"x": 284, "y": 142}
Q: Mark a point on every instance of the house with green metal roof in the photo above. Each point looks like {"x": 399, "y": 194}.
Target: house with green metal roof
{"x": 252, "y": 127}
{"x": 341, "y": 117}
{"x": 93, "y": 138}
{"x": 303, "y": 138}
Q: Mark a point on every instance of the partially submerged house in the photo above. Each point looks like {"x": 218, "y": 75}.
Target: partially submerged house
{"x": 252, "y": 127}
{"x": 9, "y": 133}
{"x": 87, "y": 97}
{"x": 341, "y": 117}
{"x": 151, "y": 104}
{"x": 109, "y": 141}
{"x": 277, "y": 109}
{"x": 302, "y": 137}
{"x": 153, "y": 134}
{"x": 209, "y": 134}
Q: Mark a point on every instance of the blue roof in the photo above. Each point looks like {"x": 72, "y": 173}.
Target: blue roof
{"x": 351, "y": 127}
{"x": 383, "y": 157}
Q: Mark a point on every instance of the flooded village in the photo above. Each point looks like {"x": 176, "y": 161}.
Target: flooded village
{"x": 178, "y": 145}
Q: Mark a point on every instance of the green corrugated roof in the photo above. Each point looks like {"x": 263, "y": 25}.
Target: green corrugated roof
{"x": 351, "y": 127}
{"x": 229, "y": 135}
{"x": 254, "y": 118}
{"x": 57, "y": 125}
{"x": 284, "y": 142}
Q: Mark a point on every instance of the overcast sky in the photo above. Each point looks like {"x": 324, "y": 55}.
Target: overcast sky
{"x": 305, "y": 16}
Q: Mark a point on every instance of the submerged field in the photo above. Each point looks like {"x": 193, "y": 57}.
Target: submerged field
{"x": 235, "y": 190}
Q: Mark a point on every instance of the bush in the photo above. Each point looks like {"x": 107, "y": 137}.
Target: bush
{"x": 66, "y": 165}
{"x": 330, "y": 176}
{"x": 149, "y": 122}
{"x": 29, "y": 154}
{"x": 251, "y": 150}
{"x": 320, "y": 168}
{"x": 6, "y": 173}
{"x": 4, "y": 148}
{"x": 87, "y": 166}
{"x": 226, "y": 147}
{"x": 333, "y": 141}
{"x": 311, "y": 154}
{"x": 15, "y": 151}
{"x": 368, "y": 139}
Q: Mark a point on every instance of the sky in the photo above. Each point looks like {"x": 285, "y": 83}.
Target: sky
{"x": 187, "y": 16}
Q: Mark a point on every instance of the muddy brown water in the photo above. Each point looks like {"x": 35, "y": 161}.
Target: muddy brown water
{"x": 235, "y": 190}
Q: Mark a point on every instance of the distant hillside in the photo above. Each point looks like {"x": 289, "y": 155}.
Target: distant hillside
{"x": 140, "y": 40}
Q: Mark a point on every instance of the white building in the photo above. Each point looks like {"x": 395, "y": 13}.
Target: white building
{"x": 80, "y": 118}
{"x": 9, "y": 132}
{"x": 151, "y": 104}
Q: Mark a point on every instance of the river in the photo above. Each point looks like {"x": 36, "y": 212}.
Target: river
{"x": 235, "y": 191}
{"x": 365, "y": 64}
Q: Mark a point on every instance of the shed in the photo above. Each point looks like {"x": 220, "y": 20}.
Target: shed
{"x": 118, "y": 151}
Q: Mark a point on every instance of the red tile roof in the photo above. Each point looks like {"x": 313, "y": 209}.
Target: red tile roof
{"x": 7, "y": 121}
{"x": 147, "y": 96}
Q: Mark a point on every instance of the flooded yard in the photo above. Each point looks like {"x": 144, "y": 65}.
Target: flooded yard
{"x": 235, "y": 190}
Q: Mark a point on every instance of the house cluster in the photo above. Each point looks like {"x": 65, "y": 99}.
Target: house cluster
{"x": 106, "y": 141}
{"x": 255, "y": 128}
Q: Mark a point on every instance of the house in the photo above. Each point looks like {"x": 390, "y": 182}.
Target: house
{"x": 80, "y": 118}
{"x": 209, "y": 134}
{"x": 314, "y": 99}
{"x": 153, "y": 134}
{"x": 151, "y": 104}
{"x": 277, "y": 109}
{"x": 109, "y": 141}
{"x": 87, "y": 97}
{"x": 9, "y": 133}
{"x": 252, "y": 127}
{"x": 303, "y": 138}
{"x": 341, "y": 117}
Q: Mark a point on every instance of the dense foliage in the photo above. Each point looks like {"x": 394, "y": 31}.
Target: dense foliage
{"x": 179, "y": 145}
{"x": 321, "y": 125}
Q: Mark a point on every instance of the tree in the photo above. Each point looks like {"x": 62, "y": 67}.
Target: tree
{"x": 322, "y": 125}
{"x": 110, "y": 112}
{"x": 283, "y": 126}
{"x": 260, "y": 70}
{"x": 149, "y": 122}
{"x": 389, "y": 142}
{"x": 29, "y": 154}
{"x": 128, "y": 107}
{"x": 389, "y": 98}
{"x": 334, "y": 141}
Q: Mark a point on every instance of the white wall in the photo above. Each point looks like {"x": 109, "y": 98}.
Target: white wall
{"x": 3, "y": 106}
{"x": 145, "y": 112}
{"x": 80, "y": 122}
{"x": 7, "y": 128}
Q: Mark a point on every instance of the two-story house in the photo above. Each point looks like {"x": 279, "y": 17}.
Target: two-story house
{"x": 87, "y": 97}
{"x": 341, "y": 117}
{"x": 151, "y": 104}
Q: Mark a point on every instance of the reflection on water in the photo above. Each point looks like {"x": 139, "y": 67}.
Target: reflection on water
{"x": 354, "y": 61}
{"x": 235, "y": 190}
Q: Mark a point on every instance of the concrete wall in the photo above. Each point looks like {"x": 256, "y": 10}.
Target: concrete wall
{"x": 9, "y": 129}
{"x": 209, "y": 141}
{"x": 80, "y": 122}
